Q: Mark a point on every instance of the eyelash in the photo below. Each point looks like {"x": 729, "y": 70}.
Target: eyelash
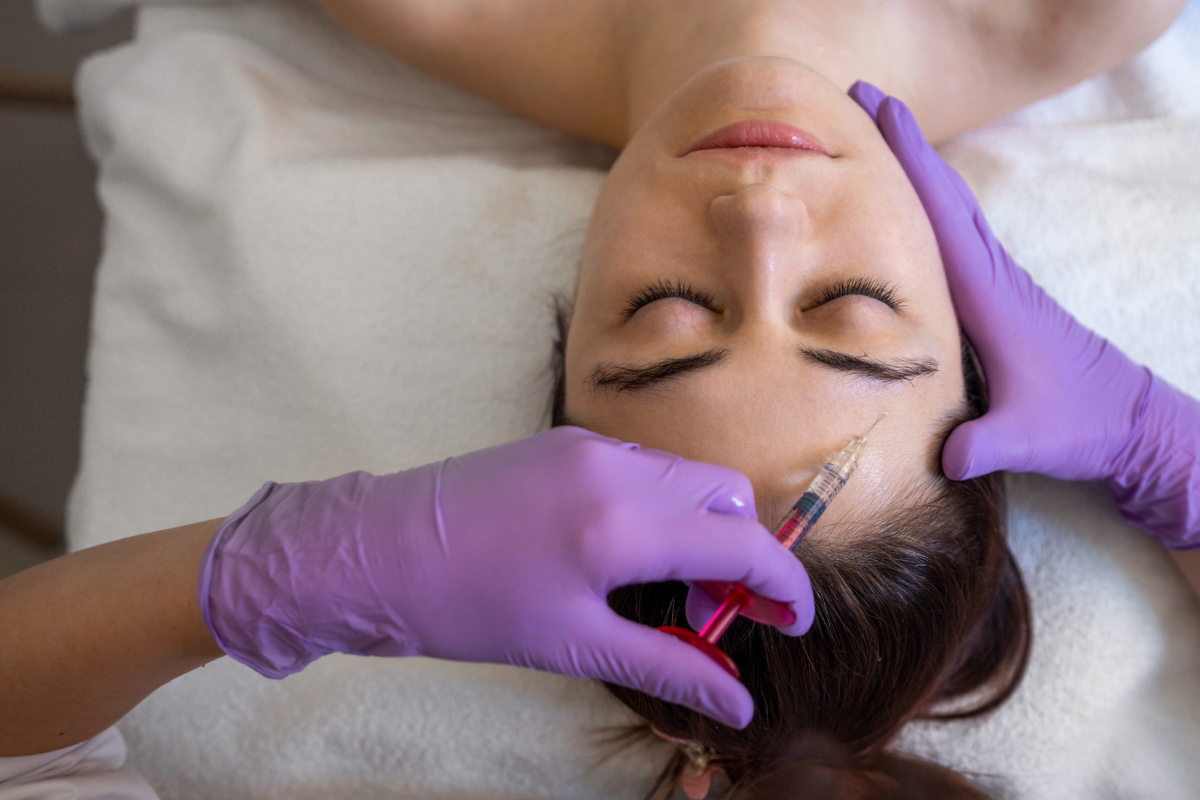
{"x": 665, "y": 289}
{"x": 868, "y": 287}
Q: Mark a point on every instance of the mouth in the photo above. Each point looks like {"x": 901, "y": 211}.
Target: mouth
{"x": 757, "y": 133}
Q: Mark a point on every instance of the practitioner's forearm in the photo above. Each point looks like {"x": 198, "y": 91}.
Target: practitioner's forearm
{"x": 85, "y": 637}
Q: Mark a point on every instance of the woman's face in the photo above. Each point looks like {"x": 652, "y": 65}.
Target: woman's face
{"x": 813, "y": 297}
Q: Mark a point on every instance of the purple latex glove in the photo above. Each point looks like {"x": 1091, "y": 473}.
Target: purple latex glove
{"x": 505, "y": 555}
{"x": 1063, "y": 401}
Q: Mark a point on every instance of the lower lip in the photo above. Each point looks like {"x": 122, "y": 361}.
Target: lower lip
{"x": 759, "y": 133}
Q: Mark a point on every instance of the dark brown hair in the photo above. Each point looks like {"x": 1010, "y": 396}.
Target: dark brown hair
{"x": 920, "y": 614}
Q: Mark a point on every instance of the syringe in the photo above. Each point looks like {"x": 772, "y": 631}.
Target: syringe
{"x": 821, "y": 491}
{"x": 736, "y": 599}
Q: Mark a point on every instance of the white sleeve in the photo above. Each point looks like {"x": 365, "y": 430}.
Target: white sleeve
{"x": 90, "y": 770}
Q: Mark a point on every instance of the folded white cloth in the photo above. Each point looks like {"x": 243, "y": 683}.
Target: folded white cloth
{"x": 318, "y": 260}
{"x": 90, "y": 770}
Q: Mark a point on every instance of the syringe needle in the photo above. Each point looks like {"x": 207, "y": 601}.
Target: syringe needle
{"x": 873, "y": 424}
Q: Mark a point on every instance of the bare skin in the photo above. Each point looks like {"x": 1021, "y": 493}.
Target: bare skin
{"x": 598, "y": 68}
{"x": 86, "y": 637}
{"x": 1189, "y": 564}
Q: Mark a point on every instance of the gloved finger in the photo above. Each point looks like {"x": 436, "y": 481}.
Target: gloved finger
{"x": 700, "y": 607}
{"x": 969, "y": 201}
{"x": 921, "y": 161}
{"x": 723, "y": 490}
{"x": 717, "y": 548}
{"x": 996, "y": 441}
{"x": 951, "y": 212}
{"x": 731, "y": 492}
{"x": 968, "y": 452}
{"x": 972, "y": 269}
{"x": 868, "y": 97}
{"x": 642, "y": 658}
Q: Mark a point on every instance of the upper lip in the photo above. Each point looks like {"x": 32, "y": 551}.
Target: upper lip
{"x": 758, "y": 133}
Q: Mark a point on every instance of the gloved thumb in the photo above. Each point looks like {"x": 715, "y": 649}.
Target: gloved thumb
{"x": 974, "y": 448}
{"x": 700, "y": 607}
{"x": 658, "y": 664}
{"x": 869, "y": 97}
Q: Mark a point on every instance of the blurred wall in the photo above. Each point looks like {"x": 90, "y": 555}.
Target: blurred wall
{"x": 49, "y": 245}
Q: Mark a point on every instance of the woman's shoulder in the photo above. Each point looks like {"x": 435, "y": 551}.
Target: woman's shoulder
{"x": 555, "y": 61}
{"x": 1068, "y": 35}
{"x": 984, "y": 59}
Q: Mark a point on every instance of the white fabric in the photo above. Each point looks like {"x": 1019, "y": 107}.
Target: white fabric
{"x": 318, "y": 260}
{"x": 90, "y": 770}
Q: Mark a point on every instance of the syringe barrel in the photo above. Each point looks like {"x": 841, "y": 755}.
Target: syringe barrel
{"x": 812, "y": 503}
{"x": 828, "y": 483}
{"x": 845, "y": 462}
{"x": 819, "y": 494}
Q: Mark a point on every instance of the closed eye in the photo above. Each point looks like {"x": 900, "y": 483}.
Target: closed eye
{"x": 665, "y": 289}
{"x": 868, "y": 287}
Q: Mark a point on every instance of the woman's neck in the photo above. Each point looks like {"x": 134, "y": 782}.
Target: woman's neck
{"x": 666, "y": 46}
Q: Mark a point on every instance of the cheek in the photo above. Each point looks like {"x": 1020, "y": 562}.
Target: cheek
{"x": 625, "y": 198}
{"x": 641, "y": 240}
{"x": 880, "y": 225}
{"x": 901, "y": 217}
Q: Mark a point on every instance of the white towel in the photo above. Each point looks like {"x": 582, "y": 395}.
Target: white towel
{"x": 318, "y": 260}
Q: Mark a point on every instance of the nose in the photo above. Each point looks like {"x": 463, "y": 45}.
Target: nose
{"x": 762, "y": 232}
{"x": 758, "y": 215}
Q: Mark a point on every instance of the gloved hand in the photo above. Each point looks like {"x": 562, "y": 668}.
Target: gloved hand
{"x": 1063, "y": 401}
{"x": 505, "y": 555}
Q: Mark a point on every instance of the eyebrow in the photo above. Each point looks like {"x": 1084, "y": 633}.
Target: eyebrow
{"x": 617, "y": 378}
{"x": 896, "y": 369}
